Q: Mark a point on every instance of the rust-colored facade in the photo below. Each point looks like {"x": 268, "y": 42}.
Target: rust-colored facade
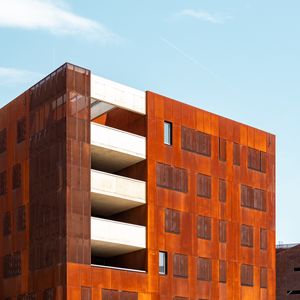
{"x": 288, "y": 272}
{"x": 210, "y": 200}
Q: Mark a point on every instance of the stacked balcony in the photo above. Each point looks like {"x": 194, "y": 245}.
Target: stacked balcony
{"x": 118, "y": 188}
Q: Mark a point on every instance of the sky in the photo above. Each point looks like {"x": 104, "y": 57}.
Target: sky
{"x": 239, "y": 59}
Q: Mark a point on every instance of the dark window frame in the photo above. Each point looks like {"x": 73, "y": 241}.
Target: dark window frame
{"x": 172, "y": 225}
{"x": 204, "y": 228}
{"x": 204, "y": 186}
{"x": 165, "y": 261}
{"x": 204, "y": 269}
{"x": 168, "y": 133}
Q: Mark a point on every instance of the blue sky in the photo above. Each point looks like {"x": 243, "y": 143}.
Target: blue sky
{"x": 239, "y": 59}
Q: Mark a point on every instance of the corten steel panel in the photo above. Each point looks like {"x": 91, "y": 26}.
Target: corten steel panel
{"x": 38, "y": 189}
{"x": 78, "y": 164}
{"x": 185, "y": 121}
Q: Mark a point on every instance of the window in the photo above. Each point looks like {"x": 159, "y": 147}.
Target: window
{"x": 222, "y": 231}
{"x": 6, "y": 223}
{"x": 48, "y": 294}
{"x": 114, "y": 294}
{"x": 236, "y": 154}
{"x": 246, "y": 275}
{"x": 3, "y": 140}
{"x": 180, "y": 265}
{"x": 163, "y": 262}
{"x": 168, "y": 133}
{"x": 222, "y": 149}
{"x": 204, "y": 228}
{"x": 16, "y": 176}
{"x": 259, "y": 201}
{"x": 253, "y": 198}
{"x": 3, "y": 183}
{"x": 263, "y": 277}
{"x": 246, "y": 236}
{"x": 263, "y": 239}
{"x": 12, "y": 265}
{"x": 171, "y": 177}
{"x": 293, "y": 292}
{"x": 195, "y": 141}
{"x": 257, "y": 160}
{"x": 172, "y": 220}
{"x": 86, "y": 293}
{"x": 222, "y": 190}
{"x": 21, "y": 130}
{"x": 204, "y": 269}
{"x": 21, "y": 218}
{"x": 204, "y": 186}
{"x": 222, "y": 271}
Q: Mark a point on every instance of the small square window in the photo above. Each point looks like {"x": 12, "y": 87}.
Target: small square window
{"x": 168, "y": 133}
{"x": 163, "y": 258}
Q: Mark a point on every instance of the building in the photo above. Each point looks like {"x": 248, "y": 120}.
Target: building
{"x": 288, "y": 271}
{"x": 107, "y": 192}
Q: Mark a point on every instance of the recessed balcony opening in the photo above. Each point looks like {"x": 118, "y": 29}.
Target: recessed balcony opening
{"x": 124, "y": 120}
{"x": 136, "y": 215}
{"x": 118, "y": 244}
{"x": 134, "y": 260}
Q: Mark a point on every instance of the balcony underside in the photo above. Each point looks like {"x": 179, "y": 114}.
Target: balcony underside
{"x": 113, "y": 150}
{"x": 112, "y": 238}
{"x": 110, "y": 160}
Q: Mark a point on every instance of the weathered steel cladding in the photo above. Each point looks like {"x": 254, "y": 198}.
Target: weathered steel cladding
{"x": 227, "y": 264}
{"x": 214, "y": 192}
{"x": 35, "y": 201}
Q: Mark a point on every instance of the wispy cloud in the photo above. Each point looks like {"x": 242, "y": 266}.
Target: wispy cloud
{"x": 203, "y": 15}
{"x": 52, "y": 16}
{"x": 11, "y": 76}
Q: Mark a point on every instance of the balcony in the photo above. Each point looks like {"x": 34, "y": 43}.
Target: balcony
{"x": 111, "y": 194}
{"x": 113, "y": 150}
{"x": 112, "y": 238}
{"x": 115, "y": 94}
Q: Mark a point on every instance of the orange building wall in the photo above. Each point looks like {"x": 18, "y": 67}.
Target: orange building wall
{"x": 154, "y": 286}
{"x": 74, "y": 277}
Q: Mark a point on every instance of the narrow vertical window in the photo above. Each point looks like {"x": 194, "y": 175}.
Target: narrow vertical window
{"x": 172, "y": 220}
{"x": 263, "y": 277}
{"x": 163, "y": 263}
{"x": 222, "y": 190}
{"x": 246, "y": 236}
{"x": 203, "y": 185}
{"x": 263, "y": 239}
{"x": 21, "y": 130}
{"x": 180, "y": 265}
{"x": 21, "y": 218}
{"x": 222, "y": 231}
{"x": 168, "y": 133}
{"x": 222, "y": 149}
{"x": 3, "y": 183}
{"x": 6, "y": 224}
{"x": 16, "y": 178}
{"x": 3, "y": 140}
{"x": 204, "y": 228}
{"x": 236, "y": 154}
{"x": 222, "y": 271}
